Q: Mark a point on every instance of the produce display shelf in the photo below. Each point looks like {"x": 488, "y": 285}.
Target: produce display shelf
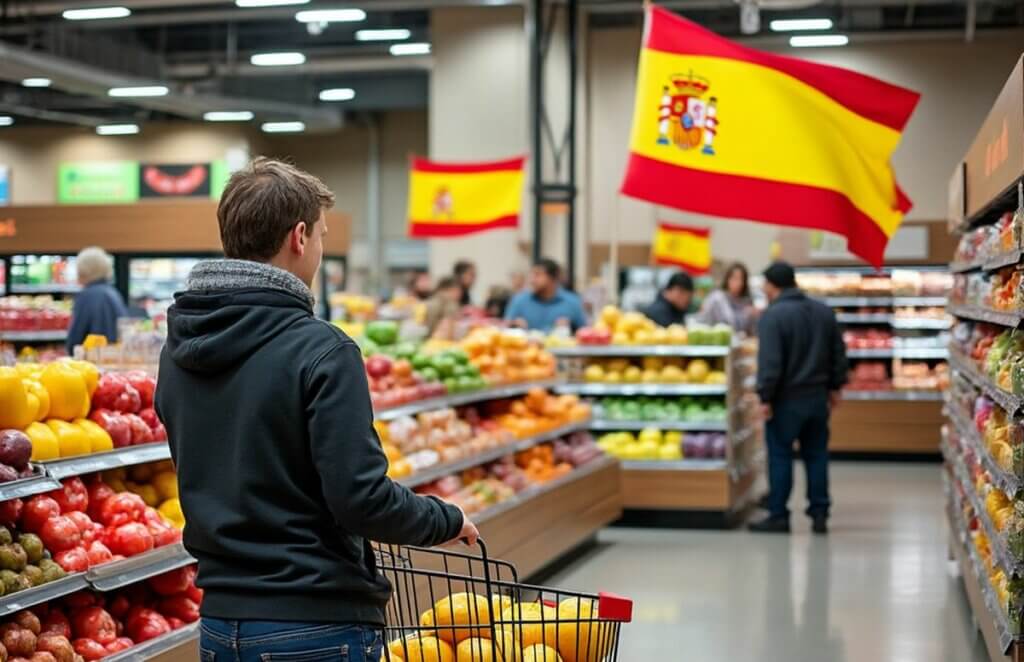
{"x": 436, "y": 471}
{"x": 535, "y": 491}
{"x": 120, "y": 457}
{"x": 894, "y": 395}
{"x": 118, "y": 574}
{"x": 640, "y": 350}
{"x": 843, "y": 302}
{"x": 988, "y": 263}
{"x": 24, "y": 288}
{"x": 982, "y": 314}
{"x": 459, "y": 399}
{"x": 1008, "y": 401}
{"x": 676, "y": 465}
{"x": 34, "y": 336}
{"x": 864, "y": 318}
{"x": 925, "y": 323}
{"x": 899, "y": 353}
{"x": 1004, "y": 480}
{"x": 158, "y": 646}
{"x": 67, "y": 585}
{"x": 643, "y": 389}
{"x": 23, "y": 487}
{"x": 605, "y": 424}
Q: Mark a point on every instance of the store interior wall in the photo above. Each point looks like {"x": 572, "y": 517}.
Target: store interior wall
{"x": 923, "y": 164}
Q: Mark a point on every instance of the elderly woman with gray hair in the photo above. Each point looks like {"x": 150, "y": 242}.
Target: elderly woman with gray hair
{"x": 99, "y": 305}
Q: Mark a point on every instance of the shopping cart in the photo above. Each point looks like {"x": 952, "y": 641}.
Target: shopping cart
{"x": 449, "y": 605}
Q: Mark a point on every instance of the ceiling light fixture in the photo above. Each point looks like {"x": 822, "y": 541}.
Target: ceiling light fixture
{"x": 410, "y": 49}
{"x": 338, "y": 94}
{"x": 228, "y": 116}
{"x": 284, "y": 59}
{"x": 6, "y": 120}
{"x": 799, "y": 24}
{"x": 813, "y": 40}
{"x": 139, "y": 91}
{"x": 36, "y": 82}
{"x": 394, "y": 34}
{"x": 330, "y": 16}
{"x": 117, "y": 129}
{"x": 269, "y": 3}
{"x": 96, "y": 13}
{"x": 283, "y": 127}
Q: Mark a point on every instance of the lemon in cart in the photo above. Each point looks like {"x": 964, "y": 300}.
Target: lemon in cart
{"x": 503, "y": 648}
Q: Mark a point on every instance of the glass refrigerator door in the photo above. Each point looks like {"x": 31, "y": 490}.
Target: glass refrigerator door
{"x": 43, "y": 274}
{"x": 152, "y": 282}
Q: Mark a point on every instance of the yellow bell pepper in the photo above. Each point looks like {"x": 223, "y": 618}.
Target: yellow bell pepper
{"x": 99, "y": 439}
{"x": 171, "y": 509}
{"x": 44, "y": 442}
{"x": 147, "y": 492}
{"x": 90, "y": 373}
{"x": 68, "y": 394}
{"x": 166, "y": 484}
{"x": 15, "y": 410}
{"x": 30, "y": 370}
{"x": 35, "y": 388}
{"x": 71, "y": 438}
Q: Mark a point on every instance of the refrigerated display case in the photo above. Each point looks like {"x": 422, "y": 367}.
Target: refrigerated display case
{"x": 153, "y": 280}
{"x": 41, "y": 274}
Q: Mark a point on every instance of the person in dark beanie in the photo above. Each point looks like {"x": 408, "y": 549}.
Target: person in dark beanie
{"x": 801, "y": 365}
{"x": 673, "y": 301}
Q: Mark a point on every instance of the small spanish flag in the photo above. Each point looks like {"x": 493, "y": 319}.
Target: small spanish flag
{"x": 726, "y": 130}
{"x": 452, "y": 199}
{"x": 681, "y": 246}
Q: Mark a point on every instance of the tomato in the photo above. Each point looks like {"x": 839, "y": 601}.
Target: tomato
{"x": 163, "y": 534}
{"x": 120, "y": 644}
{"x": 81, "y": 600}
{"x": 175, "y": 623}
{"x": 37, "y": 510}
{"x": 89, "y": 649}
{"x": 60, "y": 533}
{"x": 99, "y": 492}
{"x": 58, "y": 623}
{"x": 173, "y": 582}
{"x": 179, "y": 607}
{"x": 121, "y": 509}
{"x": 195, "y": 594}
{"x": 131, "y": 539}
{"x": 98, "y": 553}
{"x": 73, "y": 496}
{"x": 85, "y": 525}
{"x": 75, "y": 559}
{"x": 10, "y": 511}
{"x": 145, "y": 624}
{"x": 94, "y": 623}
{"x": 119, "y": 606}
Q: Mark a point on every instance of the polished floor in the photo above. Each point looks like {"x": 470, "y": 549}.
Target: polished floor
{"x": 879, "y": 588}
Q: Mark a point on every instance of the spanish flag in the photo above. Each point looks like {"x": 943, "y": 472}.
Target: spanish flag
{"x": 685, "y": 247}
{"x": 452, "y": 199}
{"x": 726, "y": 130}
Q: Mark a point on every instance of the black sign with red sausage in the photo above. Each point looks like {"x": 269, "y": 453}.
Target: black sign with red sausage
{"x": 174, "y": 180}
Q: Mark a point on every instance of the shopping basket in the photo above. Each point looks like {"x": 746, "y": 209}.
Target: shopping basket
{"x": 449, "y": 605}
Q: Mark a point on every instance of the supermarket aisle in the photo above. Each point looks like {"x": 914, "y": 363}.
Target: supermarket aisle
{"x": 877, "y": 588}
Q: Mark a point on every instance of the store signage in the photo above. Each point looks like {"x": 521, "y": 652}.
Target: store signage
{"x": 8, "y": 228}
{"x": 5, "y": 184}
{"x": 220, "y": 173}
{"x": 174, "y": 180}
{"x": 98, "y": 182}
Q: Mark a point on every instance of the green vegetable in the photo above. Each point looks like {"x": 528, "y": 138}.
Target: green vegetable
{"x": 382, "y": 332}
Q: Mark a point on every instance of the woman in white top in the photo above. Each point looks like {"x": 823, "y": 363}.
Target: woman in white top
{"x": 731, "y": 304}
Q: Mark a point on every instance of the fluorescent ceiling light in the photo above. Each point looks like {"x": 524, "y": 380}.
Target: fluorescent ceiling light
{"x": 330, "y": 16}
{"x": 283, "y": 59}
{"x": 797, "y": 24}
{"x": 117, "y": 129}
{"x": 812, "y": 40}
{"x": 139, "y": 91}
{"x": 268, "y": 3}
{"x": 283, "y": 127}
{"x": 338, "y": 94}
{"x": 395, "y": 34}
{"x": 36, "y": 82}
{"x": 95, "y": 13}
{"x": 6, "y": 120}
{"x": 410, "y": 49}
{"x": 228, "y": 116}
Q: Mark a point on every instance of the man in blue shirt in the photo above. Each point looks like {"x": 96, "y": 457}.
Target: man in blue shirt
{"x": 546, "y": 303}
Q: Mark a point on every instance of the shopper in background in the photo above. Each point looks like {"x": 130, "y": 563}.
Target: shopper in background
{"x": 516, "y": 281}
{"x": 420, "y": 285}
{"x": 443, "y": 304}
{"x": 497, "y": 301}
{"x": 801, "y": 365}
{"x": 546, "y": 304}
{"x": 465, "y": 273}
{"x": 281, "y": 474}
{"x": 99, "y": 305}
{"x": 731, "y": 304}
{"x": 673, "y": 302}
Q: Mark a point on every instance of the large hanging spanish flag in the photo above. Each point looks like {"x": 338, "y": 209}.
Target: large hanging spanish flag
{"x": 682, "y": 246}
{"x": 452, "y": 199}
{"x": 726, "y": 130}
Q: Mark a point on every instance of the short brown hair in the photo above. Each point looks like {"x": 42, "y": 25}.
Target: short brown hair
{"x": 263, "y": 202}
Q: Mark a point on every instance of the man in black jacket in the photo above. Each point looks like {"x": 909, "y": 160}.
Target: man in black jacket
{"x": 281, "y": 474}
{"x": 801, "y": 365}
{"x": 673, "y": 302}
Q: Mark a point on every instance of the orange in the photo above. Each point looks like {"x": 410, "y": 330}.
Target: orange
{"x": 581, "y": 642}
{"x": 540, "y": 653}
{"x": 461, "y": 609}
{"x": 476, "y": 649}
{"x": 423, "y": 649}
{"x": 525, "y": 621}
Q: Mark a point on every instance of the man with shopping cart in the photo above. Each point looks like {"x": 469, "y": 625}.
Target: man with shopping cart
{"x": 281, "y": 475}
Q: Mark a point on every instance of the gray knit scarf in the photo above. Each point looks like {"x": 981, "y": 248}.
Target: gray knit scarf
{"x": 226, "y": 274}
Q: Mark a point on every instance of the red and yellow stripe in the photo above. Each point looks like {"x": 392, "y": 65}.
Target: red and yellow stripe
{"x": 454, "y": 199}
{"x": 682, "y": 246}
{"x": 795, "y": 143}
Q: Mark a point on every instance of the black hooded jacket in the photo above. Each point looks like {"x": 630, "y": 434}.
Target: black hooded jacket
{"x": 281, "y": 473}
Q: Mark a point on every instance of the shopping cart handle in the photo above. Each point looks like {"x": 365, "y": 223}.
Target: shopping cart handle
{"x": 480, "y": 542}
{"x": 614, "y": 607}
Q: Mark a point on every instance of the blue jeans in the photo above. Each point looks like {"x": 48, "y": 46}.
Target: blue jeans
{"x": 804, "y": 419}
{"x": 267, "y": 641}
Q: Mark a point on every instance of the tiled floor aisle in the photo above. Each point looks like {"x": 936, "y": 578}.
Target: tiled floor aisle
{"x": 877, "y": 589}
